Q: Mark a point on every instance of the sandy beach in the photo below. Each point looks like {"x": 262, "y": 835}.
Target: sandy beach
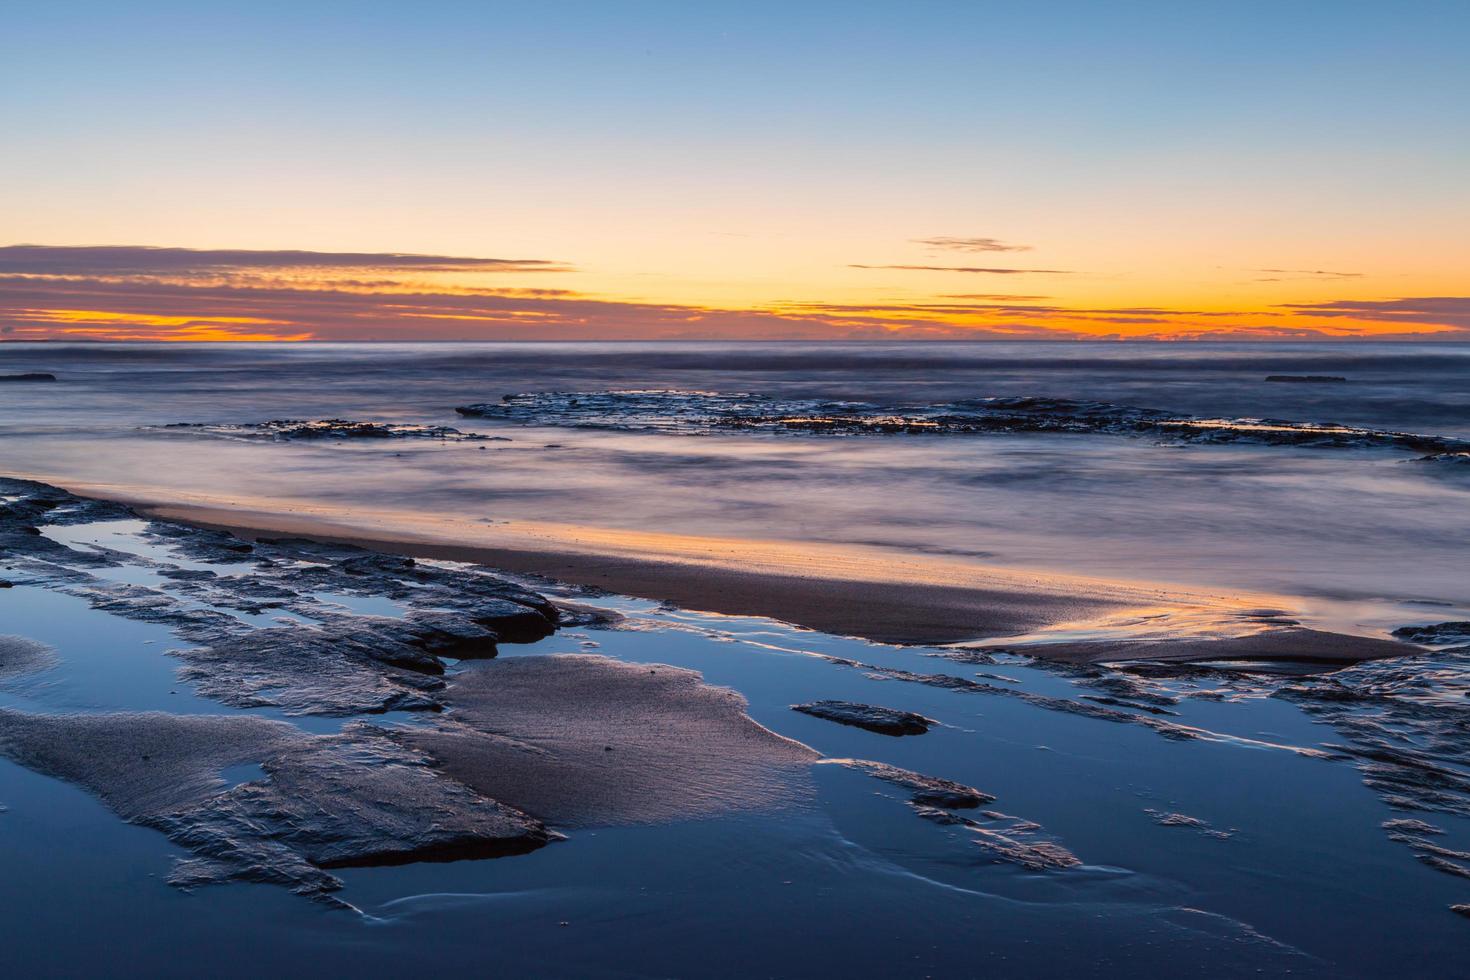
{"x": 846, "y": 591}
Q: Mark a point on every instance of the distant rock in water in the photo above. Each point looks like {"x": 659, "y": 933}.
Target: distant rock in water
{"x": 1460, "y": 458}
{"x": 331, "y": 429}
{"x": 30, "y": 376}
{"x": 1306, "y": 379}
{"x": 884, "y": 721}
{"x": 703, "y": 412}
{"x": 1436, "y": 634}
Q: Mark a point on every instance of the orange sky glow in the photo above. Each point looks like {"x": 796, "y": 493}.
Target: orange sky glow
{"x": 160, "y": 294}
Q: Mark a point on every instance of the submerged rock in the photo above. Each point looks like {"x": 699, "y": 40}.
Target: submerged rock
{"x": 1309, "y": 379}
{"x": 1008, "y": 839}
{"x": 933, "y": 791}
{"x": 1411, "y": 826}
{"x": 884, "y": 721}
{"x": 1166, "y": 819}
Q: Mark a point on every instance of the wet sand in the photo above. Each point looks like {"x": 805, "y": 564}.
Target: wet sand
{"x": 866, "y": 593}
{"x": 843, "y": 591}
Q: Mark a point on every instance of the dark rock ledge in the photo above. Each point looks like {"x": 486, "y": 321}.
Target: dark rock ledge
{"x": 884, "y": 721}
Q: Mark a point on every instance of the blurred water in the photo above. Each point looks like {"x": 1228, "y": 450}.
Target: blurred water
{"x": 848, "y": 882}
{"x": 1307, "y": 880}
{"x": 1347, "y": 528}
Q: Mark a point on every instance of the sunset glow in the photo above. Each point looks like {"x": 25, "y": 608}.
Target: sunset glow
{"x": 654, "y": 171}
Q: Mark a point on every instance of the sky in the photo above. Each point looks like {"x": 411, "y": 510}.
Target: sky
{"x": 806, "y": 170}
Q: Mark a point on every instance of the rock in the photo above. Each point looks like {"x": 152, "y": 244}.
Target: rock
{"x": 574, "y": 615}
{"x": 580, "y": 739}
{"x": 1436, "y": 634}
{"x": 327, "y": 801}
{"x": 1461, "y": 910}
{"x": 1166, "y": 819}
{"x": 308, "y": 670}
{"x": 513, "y": 622}
{"x": 1008, "y": 839}
{"x": 294, "y": 429}
{"x": 701, "y": 411}
{"x": 1311, "y": 379}
{"x": 339, "y": 664}
{"x": 29, "y": 376}
{"x": 884, "y": 721}
{"x": 932, "y": 791}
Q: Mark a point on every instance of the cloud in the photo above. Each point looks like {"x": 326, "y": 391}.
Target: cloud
{"x": 133, "y": 260}
{"x": 1301, "y": 275}
{"x": 1441, "y": 311}
{"x": 970, "y": 244}
{"x": 111, "y": 308}
{"x": 994, "y": 297}
{"x": 182, "y": 294}
{"x": 963, "y": 268}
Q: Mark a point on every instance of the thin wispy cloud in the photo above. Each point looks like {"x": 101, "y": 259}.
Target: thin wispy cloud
{"x": 1431, "y": 310}
{"x": 1302, "y": 275}
{"x": 983, "y": 270}
{"x": 994, "y": 297}
{"x": 951, "y": 244}
{"x": 58, "y": 260}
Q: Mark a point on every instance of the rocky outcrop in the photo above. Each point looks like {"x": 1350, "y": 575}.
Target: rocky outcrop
{"x": 884, "y": 721}
{"x": 1452, "y": 633}
{"x": 328, "y": 429}
{"x": 932, "y": 791}
{"x": 333, "y": 801}
{"x": 513, "y": 746}
{"x": 703, "y": 411}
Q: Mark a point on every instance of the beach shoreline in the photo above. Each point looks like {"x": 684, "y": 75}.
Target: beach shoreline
{"x": 892, "y": 611}
{"x": 841, "y": 591}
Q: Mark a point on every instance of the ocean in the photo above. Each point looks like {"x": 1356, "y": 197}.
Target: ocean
{"x": 1349, "y": 524}
{"x": 1222, "y": 819}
